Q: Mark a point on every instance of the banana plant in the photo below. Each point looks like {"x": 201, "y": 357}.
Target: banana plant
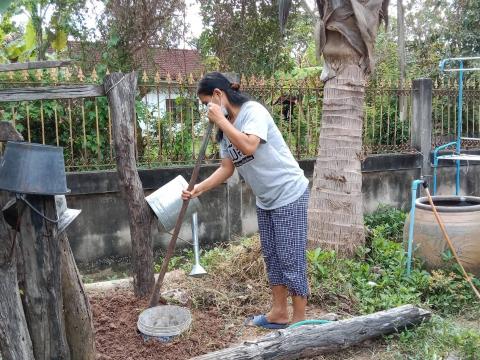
{"x": 345, "y": 36}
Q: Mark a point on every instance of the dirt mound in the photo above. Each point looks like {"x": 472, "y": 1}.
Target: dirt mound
{"x": 115, "y": 321}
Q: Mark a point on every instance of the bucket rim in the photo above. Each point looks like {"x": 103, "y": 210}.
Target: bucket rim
{"x": 30, "y": 144}
{"x": 173, "y": 330}
{"x": 17, "y": 191}
{"x": 422, "y": 203}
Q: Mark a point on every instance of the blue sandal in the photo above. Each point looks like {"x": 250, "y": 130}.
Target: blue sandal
{"x": 261, "y": 321}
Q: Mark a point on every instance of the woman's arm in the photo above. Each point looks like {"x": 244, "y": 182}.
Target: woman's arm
{"x": 218, "y": 177}
{"x": 246, "y": 143}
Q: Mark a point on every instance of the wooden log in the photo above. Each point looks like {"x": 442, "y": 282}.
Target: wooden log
{"x": 313, "y": 340}
{"x": 15, "y": 342}
{"x": 8, "y": 132}
{"x": 34, "y": 65}
{"x": 42, "y": 300}
{"x": 120, "y": 90}
{"x": 78, "y": 314}
{"x": 50, "y": 92}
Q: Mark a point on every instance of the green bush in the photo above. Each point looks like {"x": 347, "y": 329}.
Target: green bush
{"x": 437, "y": 339}
{"x": 387, "y": 220}
{"x": 376, "y": 278}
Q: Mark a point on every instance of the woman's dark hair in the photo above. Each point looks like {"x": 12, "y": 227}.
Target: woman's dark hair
{"x": 216, "y": 80}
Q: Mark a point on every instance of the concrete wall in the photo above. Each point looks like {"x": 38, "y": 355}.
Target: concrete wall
{"x": 102, "y": 229}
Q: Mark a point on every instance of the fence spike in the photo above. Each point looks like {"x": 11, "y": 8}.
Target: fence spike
{"x": 10, "y": 75}
{"x": 25, "y": 75}
{"x": 107, "y": 72}
{"x": 145, "y": 77}
{"x": 39, "y": 74}
{"x": 157, "y": 77}
{"x": 54, "y": 74}
{"x": 169, "y": 78}
{"x": 191, "y": 80}
{"x": 66, "y": 74}
{"x": 80, "y": 75}
{"x": 94, "y": 75}
{"x": 180, "y": 78}
{"x": 253, "y": 80}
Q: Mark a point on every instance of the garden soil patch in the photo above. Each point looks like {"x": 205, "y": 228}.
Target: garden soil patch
{"x": 115, "y": 315}
{"x": 115, "y": 320}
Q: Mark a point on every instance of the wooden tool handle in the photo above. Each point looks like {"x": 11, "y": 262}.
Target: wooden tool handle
{"x": 449, "y": 242}
{"x": 171, "y": 246}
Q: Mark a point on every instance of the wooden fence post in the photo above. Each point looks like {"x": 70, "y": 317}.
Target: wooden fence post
{"x": 42, "y": 288}
{"x": 15, "y": 342}
{"x": 422, "y": 121}
{"x": 78, "y": 314}
{"x": 120, "y": 90}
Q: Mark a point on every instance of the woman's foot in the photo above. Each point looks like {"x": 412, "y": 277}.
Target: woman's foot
{"x": 263, "y": 322}
{"x": 277, "y": 317}
{"x": 299, "y": 308}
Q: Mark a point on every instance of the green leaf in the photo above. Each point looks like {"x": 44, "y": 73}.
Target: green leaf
{"x": 30, "y": 36}
{"x": 60, "y": 41}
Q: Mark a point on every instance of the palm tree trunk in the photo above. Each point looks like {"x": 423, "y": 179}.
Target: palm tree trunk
{"x": 335, "y": 212}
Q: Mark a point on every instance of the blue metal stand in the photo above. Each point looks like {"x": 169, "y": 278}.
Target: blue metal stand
{"x": 415, "y": 184}
{"x": 458, "y": 143}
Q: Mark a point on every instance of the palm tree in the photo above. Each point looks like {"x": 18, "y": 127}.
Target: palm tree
{"x": 345, "y": 34}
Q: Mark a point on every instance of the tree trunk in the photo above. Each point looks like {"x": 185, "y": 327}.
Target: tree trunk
{"x": 78, "y": 315}
{"x": 309, "y": 341}
{"x": 401, "y": 58}
{"x": 335, "y": 211}
{"x": 120, "y": 90}
{"x": 15, "y": 342}
{"x": 42, "y": 299}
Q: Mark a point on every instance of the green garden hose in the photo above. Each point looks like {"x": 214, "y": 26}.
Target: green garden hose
{"x": 309, "y": 322}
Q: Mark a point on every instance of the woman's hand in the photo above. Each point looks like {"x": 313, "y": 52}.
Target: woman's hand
{"x": 186, "y": 195}
{"x": 215, "y": 113}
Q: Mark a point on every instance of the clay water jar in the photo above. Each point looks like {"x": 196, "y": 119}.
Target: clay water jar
{"x": 461, "y": 216}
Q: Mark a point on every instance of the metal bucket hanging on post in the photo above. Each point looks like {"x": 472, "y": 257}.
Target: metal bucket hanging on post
{"x": 167, "y": 201}
{"x": 33, "y": 169}
{"x": 65, "y": 215}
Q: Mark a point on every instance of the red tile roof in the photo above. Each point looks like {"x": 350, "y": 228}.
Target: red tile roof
{"x": 172, "y": 61}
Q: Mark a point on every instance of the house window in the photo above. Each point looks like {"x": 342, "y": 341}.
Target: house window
{"x": 172, "y": 107}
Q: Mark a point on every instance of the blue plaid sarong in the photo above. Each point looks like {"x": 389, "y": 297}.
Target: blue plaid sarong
{"x": 283, "y": 235}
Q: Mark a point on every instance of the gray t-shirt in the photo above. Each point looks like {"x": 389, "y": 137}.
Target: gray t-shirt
{"x": 272, "y": 172}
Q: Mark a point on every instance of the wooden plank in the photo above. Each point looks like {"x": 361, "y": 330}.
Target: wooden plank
{"x": 308, "y": 341}
{"x": 51, "y": 92}
{"x": 34, "y": 65}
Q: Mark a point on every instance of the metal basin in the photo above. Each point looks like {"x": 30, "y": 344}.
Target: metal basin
{"x": 167, "y": 201}
{"x": 461, "y": 215}
{"x": 28, "y": 168}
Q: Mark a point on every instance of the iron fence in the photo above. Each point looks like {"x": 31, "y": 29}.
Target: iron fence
{"x": 445, "y": 112}
{"x": 170, "y": 120}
